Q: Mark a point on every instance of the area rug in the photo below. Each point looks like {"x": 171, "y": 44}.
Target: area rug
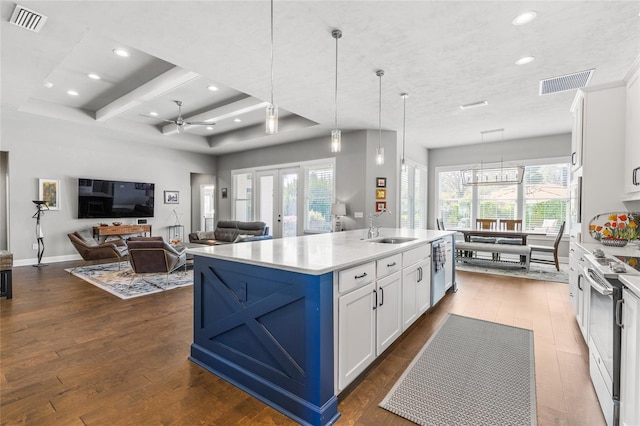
{"x": 537, "y": 271}
{"x": 107, "y": 277}
{"x": 470, "y": 372}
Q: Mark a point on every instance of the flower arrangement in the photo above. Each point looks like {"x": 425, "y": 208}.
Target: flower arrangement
{"x": 617, "y": 227}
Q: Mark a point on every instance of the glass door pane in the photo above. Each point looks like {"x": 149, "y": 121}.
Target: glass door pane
{"x": 207, "y": 207}
{"x": 289, "y": 197}
{"x": 267, "y": 193}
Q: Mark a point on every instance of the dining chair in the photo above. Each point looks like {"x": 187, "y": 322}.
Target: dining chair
{"x": 510, "y": 224}
{"x": 440, "y": 223}
{"x": 486, "y": 223}
{"x": 548, "y": 249}
{"x": 489, "y": 224}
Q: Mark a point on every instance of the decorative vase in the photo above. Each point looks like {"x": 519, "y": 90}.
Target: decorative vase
{"x": 614, "y": 242}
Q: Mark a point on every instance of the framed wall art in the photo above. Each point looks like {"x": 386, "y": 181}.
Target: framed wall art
{"x": 381, "y": 182}
{"x": 381, "y": 194}
{"x": 171, "y": 197}
{"x": 381, "y": 206}
{"x": 49, "y": 191}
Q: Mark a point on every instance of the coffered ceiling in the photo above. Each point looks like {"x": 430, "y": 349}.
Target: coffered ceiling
{"x": 444, "y": 54}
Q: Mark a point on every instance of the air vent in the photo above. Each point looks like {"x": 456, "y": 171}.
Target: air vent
{"x": 565, "y": 82}
{"x": 27, "y": 18}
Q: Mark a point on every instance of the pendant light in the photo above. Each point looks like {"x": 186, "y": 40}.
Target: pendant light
{"x": 380, "y": 150}
{"x": 336, "y": 134}
{"x": 271, "y": 123}
{"x": 404, "y": 129}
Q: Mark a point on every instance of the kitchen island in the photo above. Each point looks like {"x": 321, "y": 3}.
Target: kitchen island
{"x": 265, "y": 316}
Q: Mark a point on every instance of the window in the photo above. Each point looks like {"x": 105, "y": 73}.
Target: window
{"x": 455, "y": 200}
{"x": 242, "y": 184}
{"x": 318, "y": 197}
{"x": 413, "y": 197}
{"x": 544, "y": 194}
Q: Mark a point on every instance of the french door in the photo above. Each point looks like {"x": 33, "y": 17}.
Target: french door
{"x": 278, "y": 199}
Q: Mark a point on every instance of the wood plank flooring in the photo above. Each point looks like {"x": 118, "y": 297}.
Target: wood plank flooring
{"x": 72, "y": 354}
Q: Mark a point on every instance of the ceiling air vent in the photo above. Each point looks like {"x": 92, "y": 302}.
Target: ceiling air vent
{"x": 27, "y": 18}
{"x": 565, "y": 82}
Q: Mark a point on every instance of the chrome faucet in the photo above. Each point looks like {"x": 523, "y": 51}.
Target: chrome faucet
{"x": 374, "y": 231}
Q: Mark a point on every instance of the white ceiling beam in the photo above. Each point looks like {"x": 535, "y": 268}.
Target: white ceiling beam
{"x": 224, "y": 112}
{"x": 160, "y": 85}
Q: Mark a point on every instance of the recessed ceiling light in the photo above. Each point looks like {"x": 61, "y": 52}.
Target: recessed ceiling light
{"x": 474, "y": 105}
{"x": 524, "y": 18}
{"x": 72, "y": 93}
{"x": 153, "y": 113}
{"x": 94, "y": 76}
{"x": 209, "y": 127}
{"x": 237, "y": 120}
{"x": 212, "y": 88}
{"x": 121, "y": 52}
{"x": 48, "y": 84}
{"x": 525, "y": 60}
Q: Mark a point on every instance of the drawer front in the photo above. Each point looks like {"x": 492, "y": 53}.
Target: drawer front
{"x": 388, "y": 265}
{"x": 412, "y": 256}
{"x": 357, "y": 276}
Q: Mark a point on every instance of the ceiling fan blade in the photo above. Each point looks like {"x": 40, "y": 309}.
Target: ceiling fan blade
{"x": 199, "y": 123}
{"x": 156, "y": 118}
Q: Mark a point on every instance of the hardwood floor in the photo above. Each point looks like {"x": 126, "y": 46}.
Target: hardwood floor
{"x": 72, "y": 354}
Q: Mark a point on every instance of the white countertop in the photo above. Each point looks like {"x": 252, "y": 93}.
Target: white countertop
{"x": 318, "y": 254}
{"x": 631, "y": 249}
{"x": 632, "y": 282}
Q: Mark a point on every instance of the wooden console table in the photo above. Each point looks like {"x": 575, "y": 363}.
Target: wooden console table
{"x": 103, "y": 231}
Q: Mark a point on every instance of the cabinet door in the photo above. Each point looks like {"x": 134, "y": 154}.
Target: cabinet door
{"x": 630, "y": 362}
{"x": 410, "y": 277}
{"x": 388, "y": 311}
{"x": 448, "y": 267}
{"x": 356, "y": 333}
{"x": 423, "y": 286}
{"x": 632, "y": 137}
{"x": 577, "y": 133}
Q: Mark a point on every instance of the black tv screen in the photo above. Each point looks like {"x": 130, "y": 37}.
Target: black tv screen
{"x": 114, "y": 199}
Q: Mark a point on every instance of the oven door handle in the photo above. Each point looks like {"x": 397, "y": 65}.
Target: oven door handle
{"x": 596, "y": 285}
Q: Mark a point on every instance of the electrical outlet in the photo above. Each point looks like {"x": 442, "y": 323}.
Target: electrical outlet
{"x": 35, "y": 246}
{"x": 358, "y": 215}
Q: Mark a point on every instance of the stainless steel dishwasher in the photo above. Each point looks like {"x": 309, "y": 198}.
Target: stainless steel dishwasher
{"x": 438, "y": 262}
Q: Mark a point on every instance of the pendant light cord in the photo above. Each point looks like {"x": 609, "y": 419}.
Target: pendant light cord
{"x": 380, "y": 74}
{"x": 404, "y": 123}
{"x": 336, "y": 89}
{"x": 271, "y": 52}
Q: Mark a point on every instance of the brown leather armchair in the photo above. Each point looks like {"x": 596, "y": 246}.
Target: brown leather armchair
{"x": 154, "y": 255}
{"x": 91, "y": 250}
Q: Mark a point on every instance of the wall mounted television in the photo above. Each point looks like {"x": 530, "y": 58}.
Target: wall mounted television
{"x": 98, "y": 198}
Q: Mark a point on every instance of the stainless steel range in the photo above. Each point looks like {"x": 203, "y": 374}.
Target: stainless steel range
{"x": 605, "y": 326}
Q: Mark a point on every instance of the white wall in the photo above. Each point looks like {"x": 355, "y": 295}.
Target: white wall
{"x": 46, "y": 148}
{"x": 355, "y": 171}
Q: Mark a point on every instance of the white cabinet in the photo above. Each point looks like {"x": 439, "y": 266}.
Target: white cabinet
{"x": 356, "y": 333}
{"x": 369, "y": 314}
{"x": 599, "y": 133}
{"x": 416, "y": 284}
{"x": 388, "y": 311}
{"x": 630, "y": 362}
{"x": 416, "y": 291}
{"x": 579, "y": 293}
{"x": 577, "y": 109}
{"x": 632, "y": 138}
{"x": 448, "y": 266}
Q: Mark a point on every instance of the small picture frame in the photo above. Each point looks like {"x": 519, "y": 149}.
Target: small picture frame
{"x": 49, "y": 191}
{"x": 381, "y": 182}
{"x": 224, "y": 192}
{"x": 381, "y": 194}
{"x": 381, "y": 206}
{"x": 171, "y": 197}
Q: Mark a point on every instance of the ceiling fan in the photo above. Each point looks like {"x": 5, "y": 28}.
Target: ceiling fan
{"x": 181, "y": 122}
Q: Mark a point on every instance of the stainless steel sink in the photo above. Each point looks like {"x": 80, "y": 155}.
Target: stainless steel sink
{"x": 394, "y": 240}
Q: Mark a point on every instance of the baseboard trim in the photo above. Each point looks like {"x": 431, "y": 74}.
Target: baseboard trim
{"x": 52, "y": 259}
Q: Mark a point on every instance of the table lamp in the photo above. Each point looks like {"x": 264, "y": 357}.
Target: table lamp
{"x": 338, "y": 209}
